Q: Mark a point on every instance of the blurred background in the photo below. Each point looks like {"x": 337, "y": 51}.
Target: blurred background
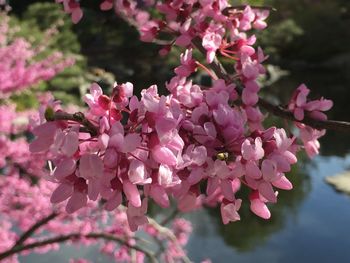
{"x": 308, "y": 41}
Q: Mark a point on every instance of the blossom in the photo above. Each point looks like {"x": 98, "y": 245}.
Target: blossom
{"x": 299, "y": 104}
{"x": 229, "y": 211}
{"x": 188, "y": 65}
{"x": 212, "y": 40}
{"x": 72, "y": 7}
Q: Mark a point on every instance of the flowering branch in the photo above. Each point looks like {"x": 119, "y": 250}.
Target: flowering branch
{"x": 60, "y": 239}
{"x": 35, "y": 227}
{"x": 277, "y": 110}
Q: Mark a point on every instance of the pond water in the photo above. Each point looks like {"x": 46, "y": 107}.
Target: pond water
{"x": 317, "y": 231}
{"x": 311, "y": 223}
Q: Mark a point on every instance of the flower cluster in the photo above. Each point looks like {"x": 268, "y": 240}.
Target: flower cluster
{"x": 160, "y": 147}
{"x": 299, "y": 104}
{"x": 164, "y": 146}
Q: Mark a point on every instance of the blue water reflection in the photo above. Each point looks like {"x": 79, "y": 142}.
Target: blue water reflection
{"x": 319, "y": 231}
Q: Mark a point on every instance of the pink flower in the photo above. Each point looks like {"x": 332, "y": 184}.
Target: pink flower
{"x": 186, "y": 36}
{"x": 149, "y": 31}
{"x": 91, "y": 169}
{"x": 309, "y": 137}
{"x": 258, "y": 207}
{"x": 66, "y": 144}
{"x": 212, "y": 40}
{"x": 45, "y": 136}
{"x": 136, "y": 215}
{"x": 64, "y": 168}
{"x": 137, "y": 173}
{"x": 247, "y": 18}
{"x": 72, "y": 7}
{"x": 132, "y": 193}
{"x": 260, "y": 16}
{"x": 252, "y": 151}
{"x": 188, "y": 65}
{"x": 159, "y": 195}
{"x": 97, "y": 107}
{"x": 106, "y": 5}
{"x": 229, "y": 211}
{"x": 299, "y": 104}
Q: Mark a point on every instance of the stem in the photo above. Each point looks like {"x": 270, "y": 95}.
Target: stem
{"x": 207, "y": 70}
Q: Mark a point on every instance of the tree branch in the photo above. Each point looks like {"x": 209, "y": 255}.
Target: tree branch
{"x": 64, "y": 238}
{"x": 35, "y": 227}
{"x": 78, "y": 117}
{"x": 227, "y": 10}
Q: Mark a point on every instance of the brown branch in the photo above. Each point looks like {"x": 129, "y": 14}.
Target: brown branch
{"x": 35, "y": 227}
{"x": 64, "y": 238}
{"x": 277, "y": 110}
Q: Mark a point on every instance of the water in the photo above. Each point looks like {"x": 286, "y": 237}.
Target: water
{"x": 318, "y": 231}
